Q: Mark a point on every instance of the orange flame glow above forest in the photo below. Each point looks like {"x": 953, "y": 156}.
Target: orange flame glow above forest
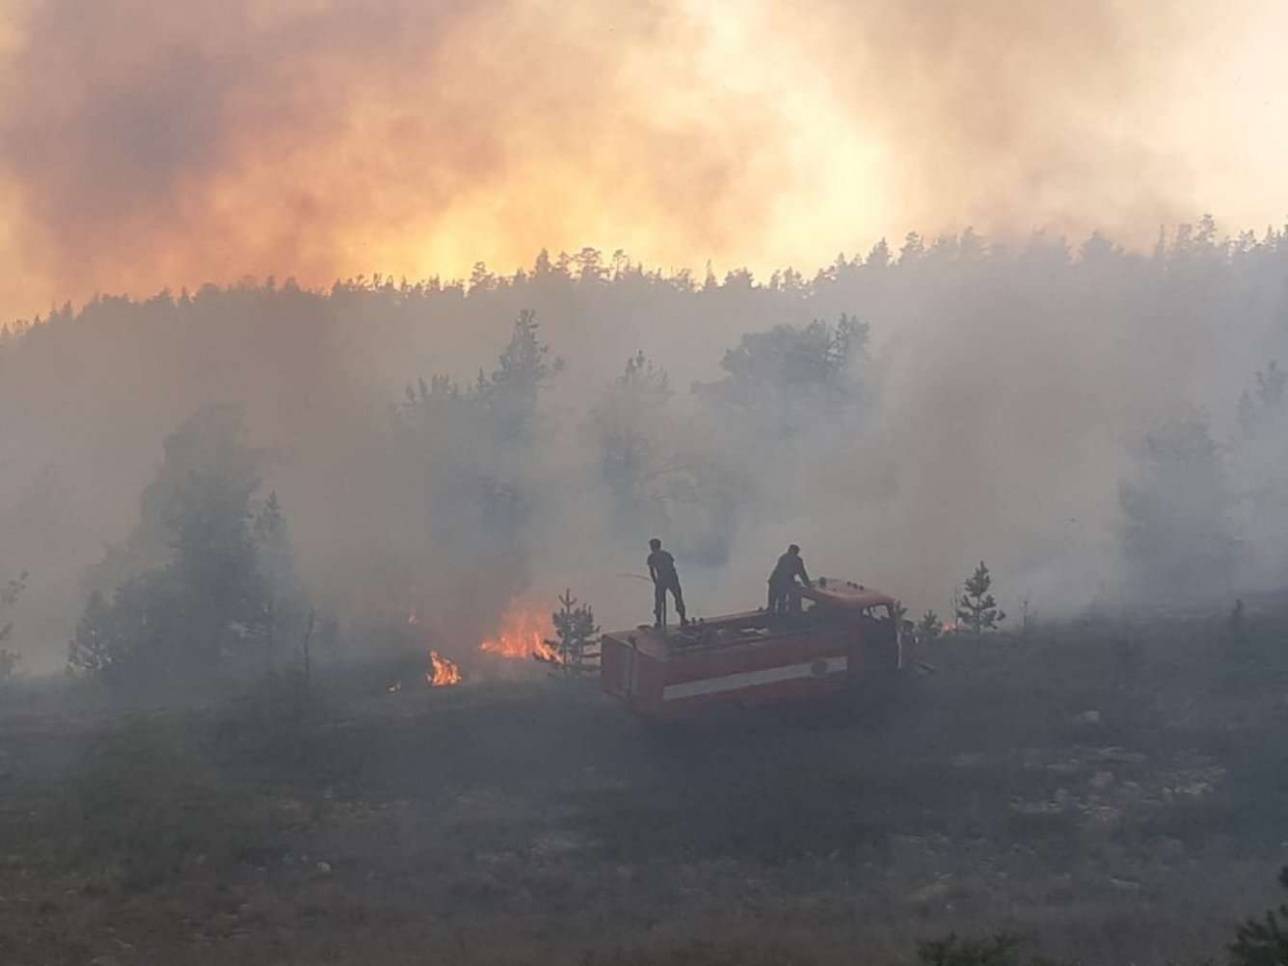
{"x": 205, "y": 142}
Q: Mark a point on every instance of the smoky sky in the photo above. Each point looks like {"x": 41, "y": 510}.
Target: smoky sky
{"x": 145, "y": 145}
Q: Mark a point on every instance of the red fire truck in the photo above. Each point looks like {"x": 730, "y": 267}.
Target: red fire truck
{"x": 843, "y": 633}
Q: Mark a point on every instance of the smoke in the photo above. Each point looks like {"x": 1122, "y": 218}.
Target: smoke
{"x": 997, "y": 412}
{"x": 1008, "y": 379}
{"x": 142, "y": 147}
{"x": 160, "y": 147}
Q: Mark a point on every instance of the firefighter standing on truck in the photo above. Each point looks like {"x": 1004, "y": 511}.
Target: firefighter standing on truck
{"x": 661, "y": 567}
{"x": 784, "y": 592}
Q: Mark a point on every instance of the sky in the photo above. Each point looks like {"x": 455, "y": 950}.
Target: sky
{"x": 147, "y": 145}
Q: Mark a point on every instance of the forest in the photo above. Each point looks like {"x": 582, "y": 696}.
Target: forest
{"x": 1089, "y": 420}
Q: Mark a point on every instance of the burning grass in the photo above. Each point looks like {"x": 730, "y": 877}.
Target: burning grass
{"x": 523, "y": 634}
{"x": 443, "y": 672}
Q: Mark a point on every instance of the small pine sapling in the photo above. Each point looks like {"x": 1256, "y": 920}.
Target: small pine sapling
{"x": 8, "y": 664}
{"x": 1237, "y": 626}
{"x": 576, "y": 632}
{"x": 930, "y": 627}
{"x": 9, "y": 594}
{"x": 978, "y": 610}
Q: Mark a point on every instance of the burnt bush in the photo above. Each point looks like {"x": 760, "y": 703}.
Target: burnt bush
{"x": 145, "y": 803}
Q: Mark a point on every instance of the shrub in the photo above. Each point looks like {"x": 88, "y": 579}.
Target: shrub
{"x": 1264, "y": 941}
{"x": 146, "y": 803}
{"x": 978, "y": 609}
{"x": 999, "y": 950}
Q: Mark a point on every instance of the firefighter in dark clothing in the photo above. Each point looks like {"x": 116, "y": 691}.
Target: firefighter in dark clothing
{"x": 784, "y": 595}
{"x": 661, "y": 567}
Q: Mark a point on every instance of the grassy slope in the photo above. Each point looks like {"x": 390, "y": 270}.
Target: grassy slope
{"x": 536, "y": 822}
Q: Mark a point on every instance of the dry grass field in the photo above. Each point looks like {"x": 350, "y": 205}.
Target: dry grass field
{"x": 1109, "y": 791}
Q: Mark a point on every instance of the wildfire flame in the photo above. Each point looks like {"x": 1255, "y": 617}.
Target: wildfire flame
{"x": 442, "y": 673}
{"x": 522, "y": 635}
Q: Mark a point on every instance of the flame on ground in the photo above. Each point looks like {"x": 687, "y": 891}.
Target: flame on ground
{"x": 442, "y": 673}
{"x": 522, "y": 635}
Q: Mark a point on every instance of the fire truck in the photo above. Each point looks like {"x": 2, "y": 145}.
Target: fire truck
{"x": 842, "y": 634}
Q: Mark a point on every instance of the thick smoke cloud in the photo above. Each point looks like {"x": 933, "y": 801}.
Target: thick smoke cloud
{"x": 145, "y": 145}
{"x": 1011, "y": 380}
{"x": 153, "y": 146}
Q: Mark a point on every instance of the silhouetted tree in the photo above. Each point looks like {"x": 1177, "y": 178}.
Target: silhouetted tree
{"x": 1264, "y": 941}
{"x": 208, "y": 450}
{"x": 9, "y": 594}
{"x": 930, "y": 627}
{"x": 977, "y": 608}
{"x": 784, "y": 379}
{"x": 1177, "y": 539}
{"x": 1264, "y": 400}
{"x": 286, "y": 603}
{"x": 183, "y": 621}
{"x": 523, "y": 370}
{"x": 575, "y": 629}
{"x": 625, "y": 426}
{"x": 471, "y": 450}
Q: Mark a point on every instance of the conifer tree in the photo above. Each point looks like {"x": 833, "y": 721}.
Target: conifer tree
{"x": 575, "y": 628}
{"x": 930, "y": 627}
{"x": 978, "y": 608}
{"x": 9, "y": 593}
{"x": 205, "y": 606}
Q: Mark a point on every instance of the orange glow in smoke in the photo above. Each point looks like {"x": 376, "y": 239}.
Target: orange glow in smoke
{"x": 522, "y": 635}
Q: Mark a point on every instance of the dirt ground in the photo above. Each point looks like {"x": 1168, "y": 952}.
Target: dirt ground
{"x": 1114, "y": 792}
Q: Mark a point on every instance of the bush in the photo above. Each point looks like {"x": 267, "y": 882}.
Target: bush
{"x": 1264, "y": 941}
{"x": 999, "y": 950}
{"x": 146, "y": 804}
{"x": 9, "y": 594}
{"x": 703, "y": 954}
{"x": 272, "y": 722}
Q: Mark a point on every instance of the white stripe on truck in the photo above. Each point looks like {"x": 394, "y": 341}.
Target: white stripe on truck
{"x": 820, "y": 668}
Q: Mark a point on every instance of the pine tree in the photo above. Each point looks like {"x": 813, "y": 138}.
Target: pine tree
{"x": 978, "y": 609}
{"x": 205, "y": 605}
{"x": 284, "y": 600}
{"x": 781, "y": 380}
{"x": 575, "y": 628}
{"x": 626, "y": 424}
{"x": 1178, "y": 536}
{"x": 273, "y": 540}
{"x": 930, "y": 627}
{"x": 9, "y": 594}
{"x": 523, "y": 370}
